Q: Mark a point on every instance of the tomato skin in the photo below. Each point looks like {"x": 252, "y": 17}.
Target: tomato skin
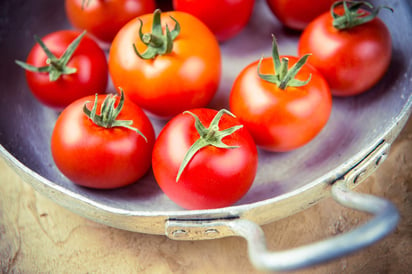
{"x": 186, "y": 78}
{"x": 226, "y": 21}
{"x": 104, "y": 19}
{"x": 353, "y": 60}
{"x": 215, "y": 177}
{"x": 280, "y": 120}
{"x": 96, "y": 157}
{"x": 297, "y": 14}
{"x": 89, "y": 60}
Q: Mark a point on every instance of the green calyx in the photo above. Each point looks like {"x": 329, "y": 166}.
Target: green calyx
{"x": 157, "y": 43}
{"x": 283, "y": 76}
{"x": 55, "y": 67}
{"x": 108, "y": 113}
{"x": 354, "y": 15}
{"x": 210, "y": 136}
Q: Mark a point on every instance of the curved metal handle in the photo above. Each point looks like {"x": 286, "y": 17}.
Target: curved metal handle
{"x": 385, "y": 220}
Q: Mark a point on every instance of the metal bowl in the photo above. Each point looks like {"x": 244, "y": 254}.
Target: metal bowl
{"x": 351, "y": 146}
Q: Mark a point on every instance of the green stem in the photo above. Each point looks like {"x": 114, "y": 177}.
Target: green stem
{"x": 283, "y": 77}
{"x": 108, "y": 113}
{"x": 157, "y": 42}
{"x": 210, "y": 136}
{"x": 85, "y": 4}
{"x": 152, "y": 40}
{"x": 54, "y": 64}
{"x": 354, "y": 14}
{"x": 283, "y": 71}
{"x": 55, "y": 67}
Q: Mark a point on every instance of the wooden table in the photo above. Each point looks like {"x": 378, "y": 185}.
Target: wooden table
{"x": 38, "y": 236}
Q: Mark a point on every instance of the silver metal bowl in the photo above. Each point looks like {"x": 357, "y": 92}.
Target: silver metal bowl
{"x": 353, "y": 144}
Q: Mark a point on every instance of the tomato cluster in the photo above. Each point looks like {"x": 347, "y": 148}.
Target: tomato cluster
{"x": 167, "y": 65}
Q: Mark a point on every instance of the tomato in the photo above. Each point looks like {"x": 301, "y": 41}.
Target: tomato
{"x": 297, "y": 14}
{"x": 282, "y": 111}
{"x": 99, "y": 152}
{"x": 104, "y": 18}
{"x": 182, "y": 73}
{"x": 204, "y": 159}
{"x": 352, "y": 60}
{"x": 226, "y": 18}
{"x": 58, "y": 79}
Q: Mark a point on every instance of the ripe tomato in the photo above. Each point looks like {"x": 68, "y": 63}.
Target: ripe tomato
{"x": 204, "y": 160}
{"x": 297, "y": 14}
{"x": 185, "y": 77}
{"x": 59, "y": 79}
{"x": 352, "y": 60}
{"x": 284, "y": 115}
{"x": 103, "y": 153}
{"x": 225, "y": 18}
{"x": 104, "y": 18}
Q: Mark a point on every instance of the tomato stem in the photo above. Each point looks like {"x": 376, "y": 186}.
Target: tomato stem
{"x": 55, "y": 67}
{"x": 157, "y": 43}
{"x": 152, "y": 40}
{"x": 353, "y": 14}
{"x": 210, "y": 136}
{"x": 283, "y": 77}
{"x": 85, "y": 3}
{"x": 108, "y": 113}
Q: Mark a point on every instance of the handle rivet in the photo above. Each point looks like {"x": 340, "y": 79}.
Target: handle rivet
{"x": 211, "y": 232}
{"x": 179, "y": 233}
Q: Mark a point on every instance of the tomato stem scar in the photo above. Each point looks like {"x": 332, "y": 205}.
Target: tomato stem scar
{"x": 157, "y": 43}
{"x": 210, "y": 136}
{"x": 109, "y": 113}
{"x": 353, "y": 14}
{"x": 283, "y": 76}
{"x": 85, "y": 4}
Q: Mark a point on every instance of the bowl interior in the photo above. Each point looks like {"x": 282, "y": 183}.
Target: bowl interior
{"x": 357, "y": 123}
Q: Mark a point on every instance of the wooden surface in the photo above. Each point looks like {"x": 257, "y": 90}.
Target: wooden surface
{"x": 38, "y": 236}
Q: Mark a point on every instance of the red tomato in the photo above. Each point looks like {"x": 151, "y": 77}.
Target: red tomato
{"x": 104, "y": 18}
{"x": 185, "y": 78}
{"x": 88, "y": 60}
{"x": 226, "y": 18}
{"x": 352, "y": 60}
{"x": 97, "y": 157}
{"x": 281, "y": 119}
{"x": 214, "y": 176}
{"x": 297, "y": 14}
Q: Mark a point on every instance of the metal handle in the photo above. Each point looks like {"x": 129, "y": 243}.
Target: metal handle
{"x": 385, "y": 220}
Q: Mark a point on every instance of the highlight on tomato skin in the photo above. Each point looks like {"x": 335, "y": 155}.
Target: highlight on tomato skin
{"x": 103, "y": 19}
{"x": 213, "y": 176}
{"x": 164, "y": 74}
{"x": 103, "y": 153}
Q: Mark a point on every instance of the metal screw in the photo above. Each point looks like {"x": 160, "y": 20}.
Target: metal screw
{"x": 211, "y": 232}
{"x": 180, "y": 233}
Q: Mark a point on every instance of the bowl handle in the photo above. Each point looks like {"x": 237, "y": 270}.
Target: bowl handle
{"x": 385, "y": 220}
